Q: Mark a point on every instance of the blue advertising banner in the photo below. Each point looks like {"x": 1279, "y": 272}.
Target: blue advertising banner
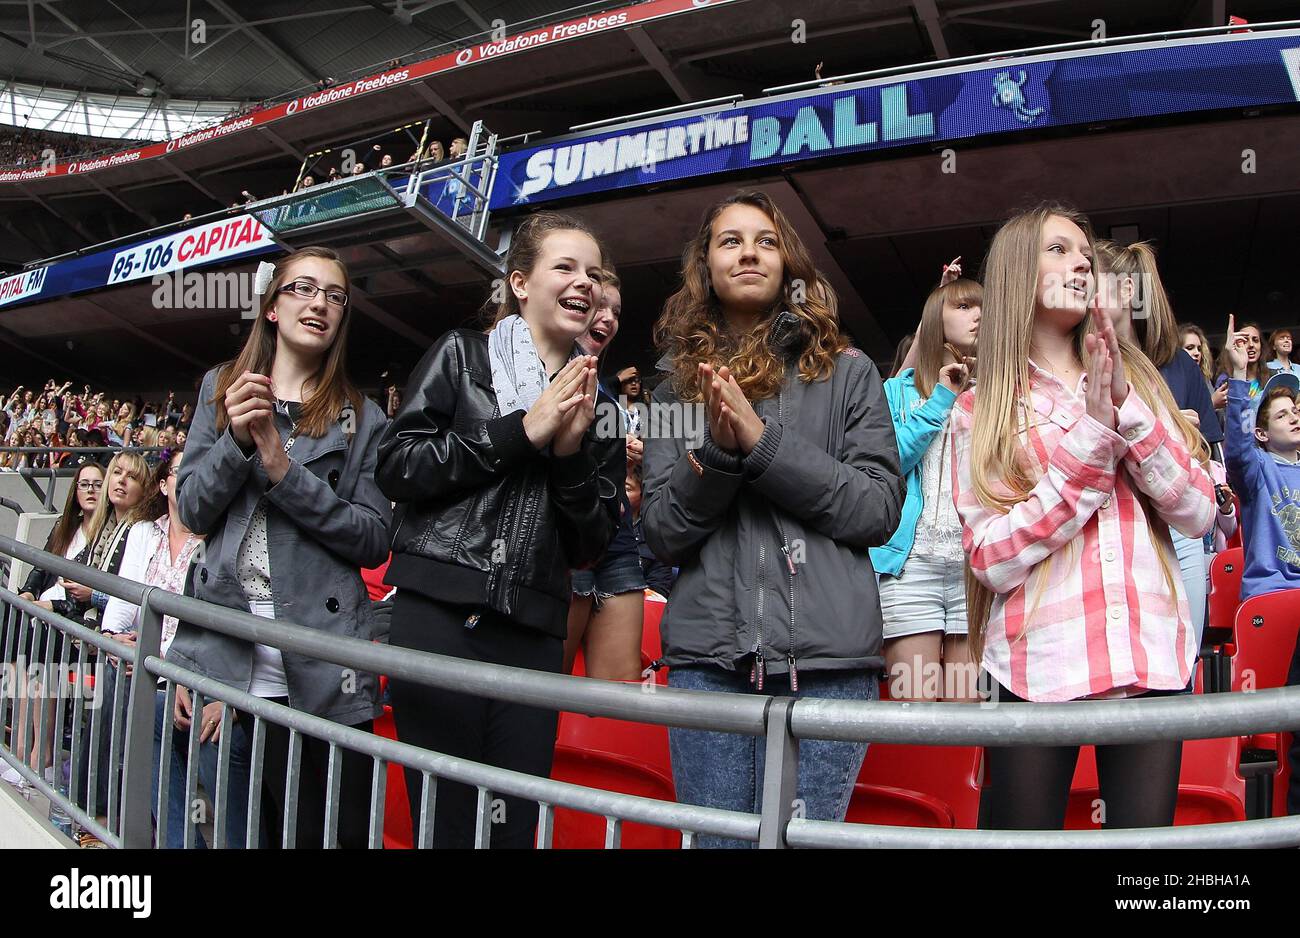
{"x": 222, "y": 240}
{"x": 1175, "y": 77}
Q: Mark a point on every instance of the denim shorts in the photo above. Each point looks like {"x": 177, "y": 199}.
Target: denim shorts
{"x": 927, "y": 596}
{"x": 615, "y": 574}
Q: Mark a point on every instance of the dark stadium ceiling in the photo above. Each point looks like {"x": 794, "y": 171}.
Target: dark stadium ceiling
{"x": 252, "y": 51}
{"x": 885, "y": 247}
{"x": 259, "y": 50}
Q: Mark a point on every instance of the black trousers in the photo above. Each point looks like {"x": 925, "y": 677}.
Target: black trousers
{"x": 1028, "y": 787}
{"x": 507, "y": 735}
{"x": 354, "y": 789}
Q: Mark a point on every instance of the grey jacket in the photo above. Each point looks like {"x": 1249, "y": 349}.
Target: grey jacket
{"x": 326, "y": 519}
{"x": 775, "y": 574}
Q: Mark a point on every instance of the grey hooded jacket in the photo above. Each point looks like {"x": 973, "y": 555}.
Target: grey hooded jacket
{"x": 773, "y": 547}
{"x": 326, "y": 519}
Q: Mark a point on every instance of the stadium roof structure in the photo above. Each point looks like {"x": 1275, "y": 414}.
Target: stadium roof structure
{"x": 880, "y": 225}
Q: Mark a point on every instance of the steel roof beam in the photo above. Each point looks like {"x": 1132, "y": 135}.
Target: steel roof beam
{"x": 653, "y": 55}
{"x": 176, "y": 170}
{"x": 70, "y": 222}
{"x": 82, "y": 34}
{"x": 259, "y": 39}
{"x": 928, "y": 14}
{"x": 440, "y": 104}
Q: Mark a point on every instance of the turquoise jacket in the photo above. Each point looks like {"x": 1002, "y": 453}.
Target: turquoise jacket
{"x": 915, "y": 425}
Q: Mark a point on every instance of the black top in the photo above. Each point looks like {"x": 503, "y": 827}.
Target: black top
{"x": 1192, "y": 393}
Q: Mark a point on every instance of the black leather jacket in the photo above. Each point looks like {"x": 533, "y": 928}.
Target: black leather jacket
{"x": 484, "y": 518}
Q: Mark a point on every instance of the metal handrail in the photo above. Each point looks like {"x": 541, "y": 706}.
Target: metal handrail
{"x": 1258, "y": 834}
{"x": 732, "y": 713}
{"x": 1183, "y": 717}
{"x": 781, "y": 720}
{"x": 1106, "y": 722}
{"x": 549, "y": 792}
{"x": 82, "y": 449}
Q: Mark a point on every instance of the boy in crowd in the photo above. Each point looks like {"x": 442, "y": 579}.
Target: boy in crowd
{"x": 1264, "y": 468}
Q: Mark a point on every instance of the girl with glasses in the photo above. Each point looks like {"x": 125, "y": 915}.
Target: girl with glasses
{"x": 279, "y": 476}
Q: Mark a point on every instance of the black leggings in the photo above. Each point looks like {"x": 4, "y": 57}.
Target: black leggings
{"x": 313, "y": 784}
{"x": 507, "y": 735}
{"x": 1028, "y": 787}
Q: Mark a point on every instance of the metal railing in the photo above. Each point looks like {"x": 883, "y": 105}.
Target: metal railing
{"x": 32, "y": 474}
{"x": 782, "y": 722}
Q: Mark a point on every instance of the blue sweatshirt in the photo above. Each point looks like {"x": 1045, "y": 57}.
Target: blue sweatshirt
{"x": 1270, "y": 502}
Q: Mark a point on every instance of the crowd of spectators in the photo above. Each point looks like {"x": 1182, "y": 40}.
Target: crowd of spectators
{"x": 21, "y": 147}
{"x": 380, "y": 157}
{"x": 59, "y": 416}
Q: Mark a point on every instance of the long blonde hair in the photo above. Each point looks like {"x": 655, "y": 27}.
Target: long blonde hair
{"x": 930, "y": 337}
{"x": 1003, "y": 470}
{"x": 692, "y": 329}
{"x": 136, "y": 468}
{"x": 1157, "y": 330}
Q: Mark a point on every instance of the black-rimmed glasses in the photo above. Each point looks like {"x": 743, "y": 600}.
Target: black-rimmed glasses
{"x": 308, "y": 291}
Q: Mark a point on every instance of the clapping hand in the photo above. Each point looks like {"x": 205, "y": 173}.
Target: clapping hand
{"x": 248, "y": 399}
{"x": 1105, "y": 334}
{"x": 567, "y": 391}
{"x": 1101, "y": 372}
{"x": 568, "y": 436}
{"x": 746, "y": 425}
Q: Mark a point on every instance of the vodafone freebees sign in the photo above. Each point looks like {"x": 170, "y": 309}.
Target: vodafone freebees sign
{"x": 480, "y": 52}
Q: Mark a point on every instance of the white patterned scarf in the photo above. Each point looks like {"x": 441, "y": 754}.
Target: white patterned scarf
{"x": 518, "y": 375}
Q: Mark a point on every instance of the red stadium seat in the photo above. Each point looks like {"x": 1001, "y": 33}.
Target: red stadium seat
{"x": 1210, "y": 787}
{"x": 1266, "y": 633}
{"x": 918, "y": 786}
{"x": 613, "y": 755}
{"x": 397, "y": 807}
{"x": 1265, "y": 638}
{"x": 655, "y": 605}
{"x": 1225, "y": 592}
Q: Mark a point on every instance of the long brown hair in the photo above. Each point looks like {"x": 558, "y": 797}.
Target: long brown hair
{"x": 72, "y": 516}
{"x": 1156, "y": 331}
{"x": 331, "y": 390}
{"x": 692, "y": 328}
{"x": 1003, "y": 471}
{"x": 525, "y": 247}
{"x": 930, "y": 337}
{"x": 1207, "y": 358}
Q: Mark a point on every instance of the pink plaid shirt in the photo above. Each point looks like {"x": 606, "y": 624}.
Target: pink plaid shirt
{"x": 1098, "y": 620}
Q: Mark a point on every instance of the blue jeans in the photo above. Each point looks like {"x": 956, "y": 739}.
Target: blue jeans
{"x": 237, "y": 799}
{"x": 725, "y": 770}
{"x": 1194, "y": 566}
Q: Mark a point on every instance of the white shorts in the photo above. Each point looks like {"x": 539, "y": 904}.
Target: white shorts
{"x": 927, "y": 596}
